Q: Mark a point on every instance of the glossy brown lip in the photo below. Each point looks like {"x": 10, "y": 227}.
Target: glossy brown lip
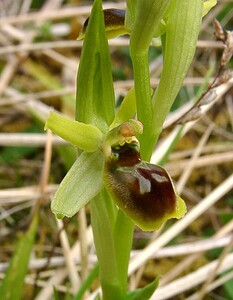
{"x": 142, "y": 190}
{"x": 145, "y": 189}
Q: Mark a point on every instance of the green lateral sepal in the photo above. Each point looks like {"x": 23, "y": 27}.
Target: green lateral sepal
{"x": 87, "y": 137}
{"x": 81, "y": 184}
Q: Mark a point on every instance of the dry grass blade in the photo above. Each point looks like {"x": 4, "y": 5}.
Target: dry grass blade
{"x": 164, "y": 146}
{"x": 217, "y": 283}
{"x": 17, "y": 195}
{"x": 77, "y": 44}
{"x": 74, "y": 279}
{"x": 45, "y": 35}
{"x": 185, "y": 283}
{"x": 214, "y": 273}
{"x": 58, "y": 14}
{"x": 60, "y": 274}
{"x": 27, "y": 139}
{"x": 195, "y": 247}
{"x": 192, "y": 162}
{"x": 175, "y": 168}
{"x": 207, "y": 202}
{"x": 186, "y": 262}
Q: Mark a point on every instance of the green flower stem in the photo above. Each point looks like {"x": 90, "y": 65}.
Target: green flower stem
{"x": 95, "y": 105}
{"x": 183, "y": 27}
{"x": 148, "y": 15}
{"x": 105, "y": 248}
{"x": 143, "y": 98}
{"x": 123, "y": 235}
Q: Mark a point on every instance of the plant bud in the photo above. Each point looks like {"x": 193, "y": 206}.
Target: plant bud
{"x": 114, "y": 20}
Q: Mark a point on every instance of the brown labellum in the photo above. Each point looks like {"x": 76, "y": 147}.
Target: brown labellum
{"x": 142, "y": 190}
{"x": 114, "y": 20}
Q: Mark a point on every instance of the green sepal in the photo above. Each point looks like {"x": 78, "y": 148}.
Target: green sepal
{"x": 95, "y": 100}
{"x": 144, "y": 293}
{"x": 130, "y": 14}
{"x": 87, "y": 137}
{"x": 82, "y": 183}
{"x": 207, "y": 5}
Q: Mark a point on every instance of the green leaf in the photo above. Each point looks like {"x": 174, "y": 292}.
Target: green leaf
{"x": 144, "y": 293}
{"x": 55, "y": 294}
{"x": 82, "y": 183}
{"x": 228, "y": 287}
{"x": 85, "y": 136}
{"x": 87, "y": 282}
{"x": 13, "y": 282}
{"x": 95, "y": 95}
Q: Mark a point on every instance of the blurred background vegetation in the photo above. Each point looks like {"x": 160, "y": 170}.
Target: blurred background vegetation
{"x": 39, "y": 57}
